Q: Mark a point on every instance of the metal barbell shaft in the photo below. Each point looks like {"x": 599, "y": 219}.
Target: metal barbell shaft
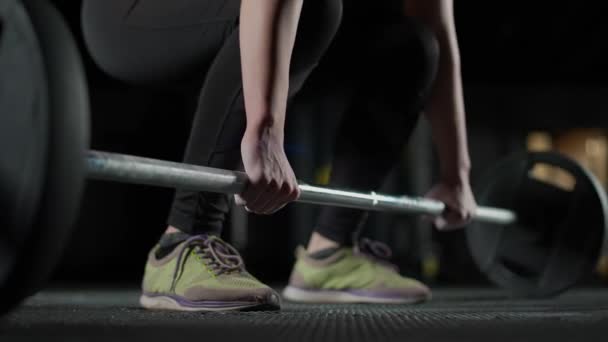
{"x": 138, "y": 170}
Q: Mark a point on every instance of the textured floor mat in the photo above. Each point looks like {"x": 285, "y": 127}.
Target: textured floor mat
{"x": 453, "y": 315}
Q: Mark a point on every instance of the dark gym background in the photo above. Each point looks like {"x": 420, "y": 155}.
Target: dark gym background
{"x": 535, "y": 76}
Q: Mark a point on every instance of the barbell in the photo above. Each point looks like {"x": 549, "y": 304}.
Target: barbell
{"x": 532, "y": 235}
{"x": 137, "y": 170}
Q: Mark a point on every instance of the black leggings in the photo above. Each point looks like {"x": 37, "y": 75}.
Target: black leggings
{"x": 385, "y": 66}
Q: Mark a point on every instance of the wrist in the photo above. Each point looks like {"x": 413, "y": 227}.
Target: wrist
{"x": 456, "y": 176}
{"x": 264, "y": 127}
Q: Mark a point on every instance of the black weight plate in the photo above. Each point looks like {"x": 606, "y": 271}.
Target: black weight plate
{"x": 559, "y": 232}
{"x": 67, "y": 143}
{"x": 23, "y": 136}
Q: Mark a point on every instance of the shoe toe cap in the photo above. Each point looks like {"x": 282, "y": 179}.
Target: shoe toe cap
{"x": 412, "y": 291}
{"x": 262, "y": 296}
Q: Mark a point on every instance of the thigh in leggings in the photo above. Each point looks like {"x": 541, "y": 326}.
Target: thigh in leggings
{"x": 392, "y": 75}
{"x": 160, "y": 40}
{"x": 157, "y": 41}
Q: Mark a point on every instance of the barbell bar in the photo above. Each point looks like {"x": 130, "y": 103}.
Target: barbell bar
{"x": 138, "y": 170}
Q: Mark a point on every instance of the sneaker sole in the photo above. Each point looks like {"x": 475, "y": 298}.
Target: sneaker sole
{"x": 295, "y": 294}
{"x": 168, "y": 303}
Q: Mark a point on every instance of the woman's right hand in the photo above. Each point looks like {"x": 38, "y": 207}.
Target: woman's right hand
{"x": 272, "y": 182}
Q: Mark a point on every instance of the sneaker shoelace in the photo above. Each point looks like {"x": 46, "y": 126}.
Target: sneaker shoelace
{"x": 376, "y": 251}
{"x": 219, "y": 257}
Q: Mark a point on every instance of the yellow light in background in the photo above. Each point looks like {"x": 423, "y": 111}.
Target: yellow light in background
{"x": 430, "y": 267}
{"x": 589, "y": 147}
{"x": 553, "y": 175}
{"x": 323, "y": 175}
{"x": 594, "y": 146}
{"x": 540, "y": 142}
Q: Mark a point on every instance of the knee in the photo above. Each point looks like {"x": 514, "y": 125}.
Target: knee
{"x": 411, "y": 41}
{"x": 408, "y": 52}
{"x": 329, "y": 15}
{"x": 425, "y": 41}
{"x": 321, "y": 18}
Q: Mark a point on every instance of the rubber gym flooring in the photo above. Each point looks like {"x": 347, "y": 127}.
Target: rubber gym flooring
{"x": 453, "y": 315}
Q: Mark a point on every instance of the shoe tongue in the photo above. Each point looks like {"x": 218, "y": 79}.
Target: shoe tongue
{"x": 168, "y": 242}
{"x": 324, "y": 253}
{"x": 373, "y": 248}
{"x": 173, "y": 239}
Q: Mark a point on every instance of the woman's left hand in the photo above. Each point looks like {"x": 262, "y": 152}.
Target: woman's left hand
{"x": 459, "y": 201}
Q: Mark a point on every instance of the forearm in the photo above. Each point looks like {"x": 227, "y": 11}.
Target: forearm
{"x": 267, "y": 35}
{"x": 446, "y": 112}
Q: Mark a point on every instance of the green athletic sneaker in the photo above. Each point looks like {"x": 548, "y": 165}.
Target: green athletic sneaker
{"x": 203, "y": 273}
{"x": 352, "y": 275}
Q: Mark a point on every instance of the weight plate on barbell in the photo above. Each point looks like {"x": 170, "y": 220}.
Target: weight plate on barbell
{"x": 23, "y": 136}
{"x": 62, "y": 174}
{"x": 561, "y": 226}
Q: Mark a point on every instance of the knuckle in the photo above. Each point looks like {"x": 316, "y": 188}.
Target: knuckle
{"x": 261, "y": 180}
{"x": 274, "y": 185}
{"x": 287, "y": 194}
{"x": 293, "y": 196}
{"x": 287, "y": 188}
{"x": 256, "y": 182}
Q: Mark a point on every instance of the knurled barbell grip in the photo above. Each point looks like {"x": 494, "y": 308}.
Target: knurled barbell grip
{"x": 139, "y": 170}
